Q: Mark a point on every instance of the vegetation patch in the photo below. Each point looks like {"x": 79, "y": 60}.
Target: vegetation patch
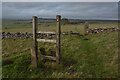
{"x": 7, "y": 62}
{"x": 96, "y": 57}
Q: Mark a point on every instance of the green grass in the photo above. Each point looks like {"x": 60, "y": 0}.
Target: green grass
{"x": 96, "y": 57}
{"x": 25, "y": 26}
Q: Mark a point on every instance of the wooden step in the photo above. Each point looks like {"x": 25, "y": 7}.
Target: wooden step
{"x": 48, "y": 57}
{"x": 46, "y": 40}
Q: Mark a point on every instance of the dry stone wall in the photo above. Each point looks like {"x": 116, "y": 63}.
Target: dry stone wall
{"x": 26, "y": 35}
{"x": 99, "y": 30}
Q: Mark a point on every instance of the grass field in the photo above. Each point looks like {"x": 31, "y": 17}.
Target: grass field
{"x": 25, "y": 26}
{"x": 96, "y": 57}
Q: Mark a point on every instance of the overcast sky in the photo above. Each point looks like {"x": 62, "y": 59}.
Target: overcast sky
{"x": 77, "y": 10}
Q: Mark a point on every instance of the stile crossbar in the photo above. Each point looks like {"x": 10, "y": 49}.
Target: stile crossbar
{"x": 46, "y": 32}
{"x": 34, "y": 51}
{"x": 46, "y": 40}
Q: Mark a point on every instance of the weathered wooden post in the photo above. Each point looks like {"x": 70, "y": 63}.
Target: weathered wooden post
{"x": 86, "y": 28}
{"x": 34, "y": 51}
{"x": 58, "y": 32}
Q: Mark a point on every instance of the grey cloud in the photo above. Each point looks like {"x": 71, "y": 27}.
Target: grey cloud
{"x": 87, "y": 10}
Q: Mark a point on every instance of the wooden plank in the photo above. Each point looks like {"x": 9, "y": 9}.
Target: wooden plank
{"x": 46, "y": 40}
{"x": 35, "y": 24}
{"x": 58, "y": 32}
{"x": 48, "y": 57}
{"x": 46, "y": 32}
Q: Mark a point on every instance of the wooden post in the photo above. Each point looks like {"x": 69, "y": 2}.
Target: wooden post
{"x": 35, "y": 50}
{"x": 86, "y": 28}
{"x": 58, "y": 32}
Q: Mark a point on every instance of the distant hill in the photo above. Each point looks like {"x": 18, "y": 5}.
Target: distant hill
{"x": 70, "y": 21}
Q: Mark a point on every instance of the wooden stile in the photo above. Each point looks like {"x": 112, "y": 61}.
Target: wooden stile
{"x": 34, "y": 51}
